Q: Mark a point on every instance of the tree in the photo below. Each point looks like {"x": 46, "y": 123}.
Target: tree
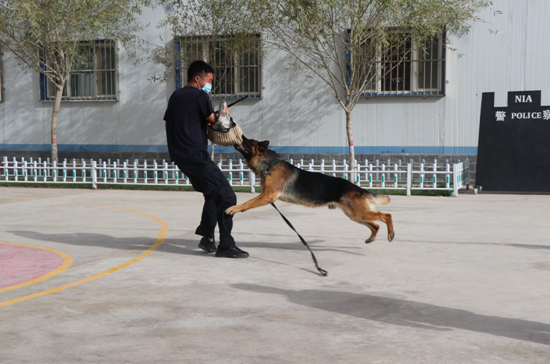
{"x": 351, "y": 45}
{"x": 50, "y": 36}
{"x": 348, "y": 44}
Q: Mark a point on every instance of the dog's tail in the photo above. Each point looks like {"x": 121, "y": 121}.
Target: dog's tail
{"x": 377, "y": 198}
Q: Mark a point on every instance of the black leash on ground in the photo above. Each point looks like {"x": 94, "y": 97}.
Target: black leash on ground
{"x": 321, "y": 270}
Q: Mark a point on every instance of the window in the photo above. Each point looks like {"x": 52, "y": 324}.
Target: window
{"x": 93, "y": 75}
{"x": 237, "y": 63}
{"x": 404, "y": 68}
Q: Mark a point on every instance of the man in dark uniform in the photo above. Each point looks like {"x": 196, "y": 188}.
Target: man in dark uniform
{"x": 188, "y": 114}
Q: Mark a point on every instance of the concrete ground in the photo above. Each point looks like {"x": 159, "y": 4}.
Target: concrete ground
{"x": 466, "y": 280}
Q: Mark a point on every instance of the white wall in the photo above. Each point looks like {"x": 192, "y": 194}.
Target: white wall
{"x": 136, "y": 119}
{"x": 300, "y": 114}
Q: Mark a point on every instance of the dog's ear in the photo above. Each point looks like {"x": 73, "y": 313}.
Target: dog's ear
{"x": 263, "y": 145}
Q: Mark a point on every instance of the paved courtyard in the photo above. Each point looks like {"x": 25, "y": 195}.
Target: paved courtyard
{"x": 113, "y": 276}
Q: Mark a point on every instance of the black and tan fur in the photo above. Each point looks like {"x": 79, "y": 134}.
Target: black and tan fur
{"x": 290, "y": 184}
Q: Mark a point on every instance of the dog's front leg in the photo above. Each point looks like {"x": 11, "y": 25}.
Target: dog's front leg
{"x": 262, "y": 200}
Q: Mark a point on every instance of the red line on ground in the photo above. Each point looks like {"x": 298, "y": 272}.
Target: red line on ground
{"x": 20, "y": 264}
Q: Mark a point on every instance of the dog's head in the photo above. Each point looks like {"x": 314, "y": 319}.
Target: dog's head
{"x": 252, "y": 148}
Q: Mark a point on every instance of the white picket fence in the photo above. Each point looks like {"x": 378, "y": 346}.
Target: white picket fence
{"x": 420, "y": 176}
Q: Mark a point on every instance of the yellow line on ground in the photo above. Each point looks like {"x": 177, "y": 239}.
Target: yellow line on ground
{"x": 161, "y": 236}
{"x": 67, "y": 261}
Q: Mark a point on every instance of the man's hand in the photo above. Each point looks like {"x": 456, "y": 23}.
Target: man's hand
{"x": 212, "y": 118}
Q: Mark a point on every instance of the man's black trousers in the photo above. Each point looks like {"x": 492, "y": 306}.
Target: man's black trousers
{"x": 206, "y": 177}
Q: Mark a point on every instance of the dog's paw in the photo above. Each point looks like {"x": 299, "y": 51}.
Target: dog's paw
{"x": 231, "y": 211}
{"x": 391, "y": 236}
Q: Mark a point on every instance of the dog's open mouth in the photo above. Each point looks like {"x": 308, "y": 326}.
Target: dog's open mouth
{"x": 242, "y": 148}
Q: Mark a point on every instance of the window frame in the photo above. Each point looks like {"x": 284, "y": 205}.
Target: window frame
{"x": 181, "y": 69}
{"x": 415, "y": 62}
{"x": 45, "y": 83}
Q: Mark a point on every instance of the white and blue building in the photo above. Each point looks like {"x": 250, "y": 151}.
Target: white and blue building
{"x": 114, "y": 109}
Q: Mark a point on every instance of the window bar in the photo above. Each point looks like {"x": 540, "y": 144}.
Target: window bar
{"x": 426, "y": 76}
{"x": 114, "y": 85}
{"x": 383, "y": 67}
{"x": 401, "y": 64}
{"x": 401, "y": 69}
{"x": 394, "y": 68}
{"x": 407, "y": 63}
{"x": 432, "y": 56}
{"x": 98, "y": 54}
{"x": 101, "y": 73}
{"x": 99, "y": 63}
{"x": 390, "y": 64}
{"x": 234, "y": 67}
{"x": 89, "y": 75}
{"x": 395, "y": 64}
{"x": 427, "y": 67}
{"x": 436, "y": 65}
{"x": 422, "y": 64}
{"x": 108, "y": 75}
{"x": 259, "y": 70}
{"x": 417, "y": 70}
{"x": 104, "y": 73}
{"x": 431, "y": 82}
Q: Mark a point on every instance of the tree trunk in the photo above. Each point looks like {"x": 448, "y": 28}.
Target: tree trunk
{"x": 350, "y": 143}
{"x": 55, "y": 114}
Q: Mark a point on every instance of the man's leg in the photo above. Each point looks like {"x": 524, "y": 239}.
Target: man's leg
{"x": 220, "y": 198}
{"x": 195, "y": 168}
{"x": 225, "y": 197}
{"x": 208, "y": 218}
{"x": 206, "y": 177}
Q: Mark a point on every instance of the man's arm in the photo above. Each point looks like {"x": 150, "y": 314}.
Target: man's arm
{"x": 212, "y": 118}
{"x": 206, "y": 108}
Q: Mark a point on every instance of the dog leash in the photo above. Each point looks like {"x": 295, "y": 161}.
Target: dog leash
{"x": 234, "y": 102}
{"x": 321, "y": 270}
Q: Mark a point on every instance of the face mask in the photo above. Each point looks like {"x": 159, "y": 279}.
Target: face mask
{"x": 207, "y": 86}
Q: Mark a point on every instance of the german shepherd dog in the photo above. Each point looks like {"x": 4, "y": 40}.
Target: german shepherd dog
{"x": 281, "y": 180}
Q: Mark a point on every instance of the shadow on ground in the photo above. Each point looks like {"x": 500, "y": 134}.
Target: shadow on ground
{"x": 170, "y": 245}
{"x": 410, "y": 314}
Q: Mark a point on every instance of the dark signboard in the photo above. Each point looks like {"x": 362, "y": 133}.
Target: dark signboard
{"x": 514, "y": 144}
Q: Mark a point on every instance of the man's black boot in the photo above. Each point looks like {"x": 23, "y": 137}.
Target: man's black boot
{"x": 233, "y": 252}
{"x": 208, "y": 245}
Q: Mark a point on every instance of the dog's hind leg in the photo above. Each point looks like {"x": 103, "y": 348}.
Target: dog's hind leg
{"x": 374, "y": 230}
{"x": 360, "y": 211}
{"x": 386, "y": 218}
{"x": 367, "y": 218}
{"x": 372, "y": 226}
